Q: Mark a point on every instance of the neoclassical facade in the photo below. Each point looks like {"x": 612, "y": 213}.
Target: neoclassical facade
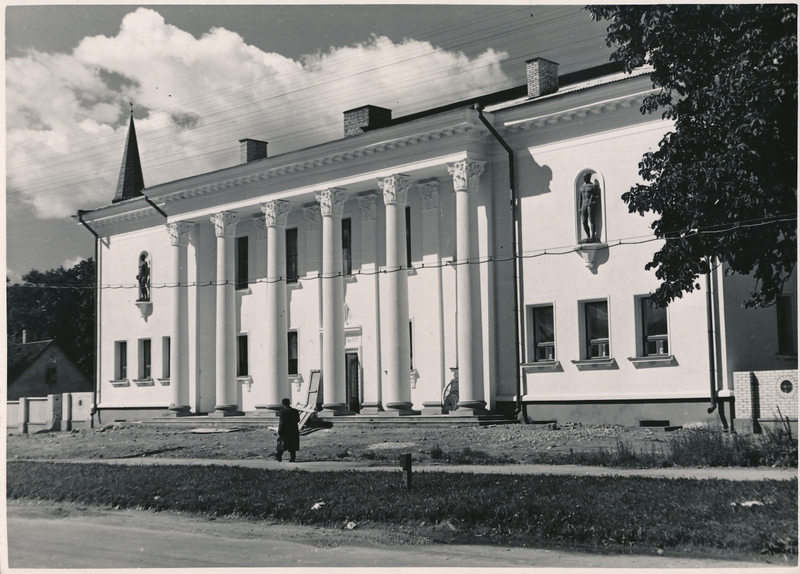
{"x": 467, "y": 260}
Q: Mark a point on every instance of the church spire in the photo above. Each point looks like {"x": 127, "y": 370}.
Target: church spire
{"x": 131, "y": 181}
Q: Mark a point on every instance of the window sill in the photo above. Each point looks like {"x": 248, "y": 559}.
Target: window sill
{"x": 245, "y": 380}
{"x": 120, "y": 383}
{"x": 606, "y": 363}
{"x": 294, "y": 285}
{"x": 653, "y": 361}
{"x": 244, "y": 291}
{"x": 350, "y": 278}
{"x": 144, "y": 382}
{"x": 411, "y": 271}
{"x": 164, "y": 382}
{"x": 543, "y": 367}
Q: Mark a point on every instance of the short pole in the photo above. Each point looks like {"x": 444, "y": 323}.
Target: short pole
{"x": 405, "y": 461}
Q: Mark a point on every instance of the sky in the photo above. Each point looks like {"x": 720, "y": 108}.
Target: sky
{"x": 202, "y": 77}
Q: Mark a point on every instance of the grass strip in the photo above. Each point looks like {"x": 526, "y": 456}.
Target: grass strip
{"x": 616, "y": 513}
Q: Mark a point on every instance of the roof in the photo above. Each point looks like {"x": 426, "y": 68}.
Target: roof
{"x": 23, "y": 355}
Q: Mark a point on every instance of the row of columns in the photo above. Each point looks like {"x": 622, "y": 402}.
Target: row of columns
{"x": 396, "y": 391}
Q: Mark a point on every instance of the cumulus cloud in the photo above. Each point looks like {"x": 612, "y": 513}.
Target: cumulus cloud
{"x": 70, "y": 263}
{"x": 67, "y": 114}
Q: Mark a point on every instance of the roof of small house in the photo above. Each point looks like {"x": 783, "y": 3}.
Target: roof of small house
{"x": 23, "y": 355}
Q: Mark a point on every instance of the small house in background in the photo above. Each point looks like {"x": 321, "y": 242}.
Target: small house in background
{"x": 40, "y": 368}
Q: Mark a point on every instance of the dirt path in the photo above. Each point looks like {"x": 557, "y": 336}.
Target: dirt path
{"x": 58, "y": 535}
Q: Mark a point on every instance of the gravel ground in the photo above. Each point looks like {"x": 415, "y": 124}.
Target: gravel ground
{"x": 504, "y": 443}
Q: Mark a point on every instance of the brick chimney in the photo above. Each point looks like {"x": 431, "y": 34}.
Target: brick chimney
{"x": 365, "y": 118}
{"x": 251, "y": 150}
{"x": 542, "y": 77}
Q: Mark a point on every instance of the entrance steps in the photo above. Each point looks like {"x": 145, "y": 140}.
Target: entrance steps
{"x": 203, "y": 421}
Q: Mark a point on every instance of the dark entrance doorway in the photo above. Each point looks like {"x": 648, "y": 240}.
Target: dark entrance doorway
{"x": 352, "y": 377}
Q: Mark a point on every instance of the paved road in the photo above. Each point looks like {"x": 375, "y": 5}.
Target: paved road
{"x": 741, "y": 474}
{"x": 57, "y": 535}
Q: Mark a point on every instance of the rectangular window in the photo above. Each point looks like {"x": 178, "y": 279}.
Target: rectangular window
{"x": 292, "y": 273}
{"x": 596, "y": 329}
{"x": 411, "y": 342}
{"x": 542, "y": 334}
{"x": 786, "y": 323}
{"x": 51, "y": 375}
{"x": 242, "y": 270}
{"x": 121, "y": 356}
{"x": 165, "y": 358}
{"x": 144, "y": 358}
{"x": 241, "y": 356}
{"x": 347, "y": 247}
{"x": 292, "y": 336}
{"x": 408, "y": 236}
{"x": 654, "y": 328}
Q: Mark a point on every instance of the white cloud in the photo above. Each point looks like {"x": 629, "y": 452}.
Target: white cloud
{"x": 67, "y": 113}
{"x": 70, "y": 263}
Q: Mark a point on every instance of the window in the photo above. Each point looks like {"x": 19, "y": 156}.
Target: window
{"x": 144, "y": 358}
{"x": 596, "y": 344}
{"x": 292, "y": 336}
{"x": 542, "y": 342}
{"x": 165, "y": 357}
{"x": 786, "y": 322}
{"x": 51, "y": 374}
{"x": 411, "y": 343}
{"x": 241, "y": 356}
{"x": 121, "y": 360}
{"x": 654, "y": 329}
{"x": 347, "y": 247}
{"x": 408, "y": 236}
{"x": 292, "y": 273}
{"x": 242, "y": 271}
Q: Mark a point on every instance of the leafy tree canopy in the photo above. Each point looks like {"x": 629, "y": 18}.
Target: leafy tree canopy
{"x": 723, "y": 180}
{"x": 59, "y": 305}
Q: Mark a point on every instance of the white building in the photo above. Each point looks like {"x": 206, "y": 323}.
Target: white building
{"x": 389, "y": 260}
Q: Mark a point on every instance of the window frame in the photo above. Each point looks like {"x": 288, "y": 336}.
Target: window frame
{"x": 533, "y": 343}
{"x": 587, "y": 341}
{"x": 292, "y": 258}
{"x": 242, "y": 263}
{"x": 408, "y": 236}
{"x": 145, "y": 359}
{"x": 120, "y": 360}
{"x": 242, "y": 355}
{"x": 786, "y": 325}
{"x": 347, "y": 246}
{"x": 661, "y": 340}
{"x": 292, "y": 334}
{"x": 166, "y": 350}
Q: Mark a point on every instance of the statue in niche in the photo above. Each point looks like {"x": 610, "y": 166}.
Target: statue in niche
{"x": 143, "y": 278}
{"x": 589, "y": 194}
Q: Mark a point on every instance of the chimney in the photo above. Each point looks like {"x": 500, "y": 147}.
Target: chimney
{"x": 542, "y": 77}
{"x": 24, "y": 336}
{"x": 251, "y": 150}
{"x": 365, "y": 118}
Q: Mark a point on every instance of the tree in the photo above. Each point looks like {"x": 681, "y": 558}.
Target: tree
{"x": 58, "y": 304}
{"x": 723, "y": 180}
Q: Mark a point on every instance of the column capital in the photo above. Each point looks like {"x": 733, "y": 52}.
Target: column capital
{"x": 225, "y": 223}
{"x": 429, "y": 192}
{"x": 312, "y": 215}
{"x": 276, "y": 212}
{"x": 331, "y": 200}
{"x": 260, "y": 223}
{"x": 466, "y": 173}
{"x": 367, "y": 204}
{"x": 395, "y": 188}
{"x": 179, "y": 232}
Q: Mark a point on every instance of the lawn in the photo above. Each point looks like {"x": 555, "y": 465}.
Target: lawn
{"x": 612, "y": 514}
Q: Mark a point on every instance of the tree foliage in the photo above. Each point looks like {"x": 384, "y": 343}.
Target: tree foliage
{"x": 723, "y": 180}
{"x": 58, "y": 304}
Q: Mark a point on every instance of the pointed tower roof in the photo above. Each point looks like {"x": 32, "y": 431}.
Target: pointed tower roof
{"x": 131, "y": 181}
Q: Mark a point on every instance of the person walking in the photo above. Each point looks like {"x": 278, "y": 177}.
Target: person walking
{"x": 288, "y": 431}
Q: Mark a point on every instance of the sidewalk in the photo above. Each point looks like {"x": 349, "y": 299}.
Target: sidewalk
{"x": 738, "y": 474}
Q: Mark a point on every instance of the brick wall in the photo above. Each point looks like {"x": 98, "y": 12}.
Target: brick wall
{"x": 760, "y": 394}
{"x": 542, "y": 77}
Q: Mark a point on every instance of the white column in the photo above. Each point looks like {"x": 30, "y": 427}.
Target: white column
{"x": 179, "y": 321}
{"x": 369, "y": 267}
{"x": 396, "y": 362}
{"x": 432, "y": 256}
{"x": 275, "y": 344}
{"x": 469, "y": 340}
{"x": 225, "y": 229}
{"x": 334, "y": 398}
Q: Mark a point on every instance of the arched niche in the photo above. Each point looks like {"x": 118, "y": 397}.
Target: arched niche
{"x": 590, "y": 207}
